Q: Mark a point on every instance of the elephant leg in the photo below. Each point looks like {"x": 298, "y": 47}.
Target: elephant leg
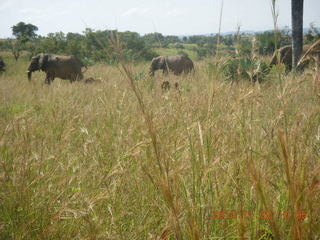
{"x": 178, "y": 72}
{"x": 72, "y": 77}
{"x": 49, "y": 79}
{"x": 79, "y": 77}
{"x": 165, "y": 71}
{"x": 76, "y": 77}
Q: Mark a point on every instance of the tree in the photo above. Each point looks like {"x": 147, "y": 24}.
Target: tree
{"x": 24, "y": 32}
{"x": 16, "y": 48}
{"x": 312, "y": 34}
{"x": 267, "y": 43}
{"x": 154, "y": 39}
{"x": 297, "y": 30}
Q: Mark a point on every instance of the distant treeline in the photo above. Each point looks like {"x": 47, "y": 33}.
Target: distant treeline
{"x": 94, "y": 46}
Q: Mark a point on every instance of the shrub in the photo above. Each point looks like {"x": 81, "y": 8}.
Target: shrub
{"x": 244, "y": 68}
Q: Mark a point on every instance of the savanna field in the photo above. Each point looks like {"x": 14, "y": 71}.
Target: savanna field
{"x": 210, "y": 160}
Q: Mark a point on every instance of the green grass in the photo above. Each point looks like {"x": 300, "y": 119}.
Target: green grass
{"x": 173, "y": 51}
{"x": 82, "y": 161}
{"x": 190, "y": 46}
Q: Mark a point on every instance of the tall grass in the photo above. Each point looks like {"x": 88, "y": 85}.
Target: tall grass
{"x": 124, "y": 160}
{"x": 219, "y": 31}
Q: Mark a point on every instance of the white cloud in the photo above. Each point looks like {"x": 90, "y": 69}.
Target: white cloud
{"x": 40, "y": 14}
{"x": 27, "y": 11}
{"x": 169, "y": 16}
{"x": 5, "y": 5}
{"x": 136, "y": 12}
{"x": 178, "y": 12}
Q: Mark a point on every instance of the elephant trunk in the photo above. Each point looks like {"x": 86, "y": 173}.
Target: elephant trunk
{"x": 29, "y": 75}
{"x": 151, "y": 72}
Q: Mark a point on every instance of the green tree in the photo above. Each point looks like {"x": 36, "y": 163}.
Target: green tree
{"x": 135, "y": 47}
{"x": 16, "y": 47}
{"x": 312, "y": 34}
{"x": 97, "y": 47}
{"x": 170, "y": 40}
{"x": 75, "y": 45}
{"x": 24, "y": 32}
{"x": 154, "y": 39}
{"x": 266, "y": 40}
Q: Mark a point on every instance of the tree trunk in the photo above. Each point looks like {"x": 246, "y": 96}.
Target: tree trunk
{"x": 297, "y": 30}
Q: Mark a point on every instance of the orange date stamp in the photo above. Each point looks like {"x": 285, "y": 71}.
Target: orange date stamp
{"x": 263, "y": 214}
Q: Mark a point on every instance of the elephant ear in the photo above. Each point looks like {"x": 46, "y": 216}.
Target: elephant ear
{"x": 155, "y": 62}
{"x": 43, "y": 60}
{"x": 162, "y": 62}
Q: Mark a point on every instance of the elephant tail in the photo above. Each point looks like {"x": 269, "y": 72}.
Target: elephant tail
{"x": 86, "y": 68}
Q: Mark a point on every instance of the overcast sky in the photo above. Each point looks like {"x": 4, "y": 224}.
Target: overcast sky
{"x": 169, "y": 17}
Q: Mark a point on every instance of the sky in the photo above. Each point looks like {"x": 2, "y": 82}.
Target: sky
{"x": 169, "y": 17}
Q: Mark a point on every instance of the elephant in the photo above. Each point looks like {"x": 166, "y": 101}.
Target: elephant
{"x": 166, "y": 86}
{"x": 177, "y": 64}
{"x": 93, "y": 80}
{"x": 64, "y": 67}
{"x": 2, "y": 65}
{"x": 284, "y": 54}
{"x": 311, "y": 52}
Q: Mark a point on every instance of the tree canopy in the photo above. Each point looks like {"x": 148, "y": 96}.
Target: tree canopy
{"x": 23, "y": 31}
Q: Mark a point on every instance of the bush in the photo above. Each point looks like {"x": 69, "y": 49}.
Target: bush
{"x": 91, "y": 46}
{"x": 266, "y": 41}
{"x": 244, "y": 68}
{"x": 203, "y": 52}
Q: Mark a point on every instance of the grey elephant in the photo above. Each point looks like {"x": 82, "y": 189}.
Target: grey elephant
{"x": 311, "y": 53}
{"x": 176, "y": 64}
{"x": 64, "y": 67}
{"x": 284, "y": 54}
{"x": 2, "y": 65}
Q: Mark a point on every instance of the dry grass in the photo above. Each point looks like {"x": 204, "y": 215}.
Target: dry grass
{"x": 77, "y": 160}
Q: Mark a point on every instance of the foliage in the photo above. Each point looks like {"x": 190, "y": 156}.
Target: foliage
{"x": 176, "y": 45}
{"x": 24, "y": 32}
{"x": 158, "y": 40}
{"x": 312, "y": 35}
{"x": 93, "y": 45}
{"x": 203, "y": 52}
{"x": 153, "y": 40}
{"x": 16, "y": 47}
{"x": 244, "y": 68}
{"x": 266, "y": 41}
{"x": 174, "y": 51}
{"x": 135, "y": 47}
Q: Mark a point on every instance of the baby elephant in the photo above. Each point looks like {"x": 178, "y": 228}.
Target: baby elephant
{"x": 177, "y": 64}
{"x": 93, "y": 80}
{"x": 64, "y": 67}
{"x": 2, "y": 65}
